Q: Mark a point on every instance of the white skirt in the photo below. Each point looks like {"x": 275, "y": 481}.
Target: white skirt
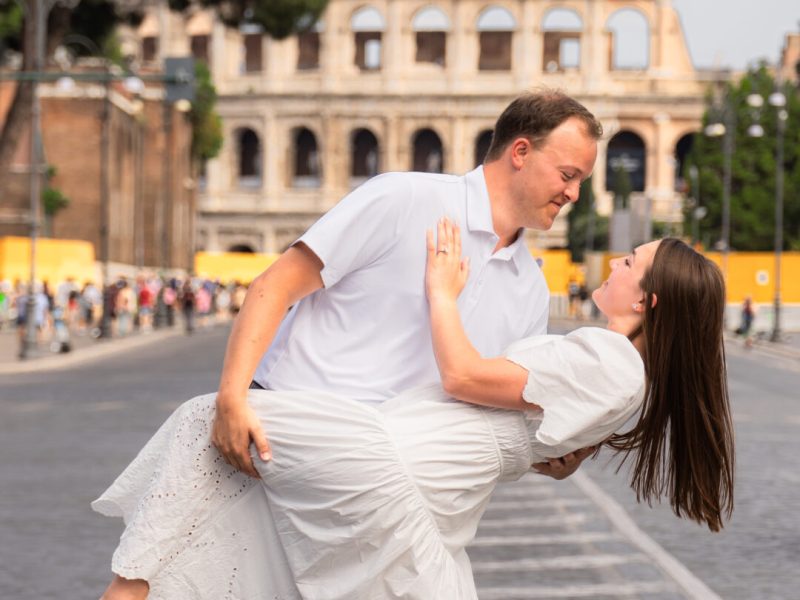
{"x": 339, "y": 515}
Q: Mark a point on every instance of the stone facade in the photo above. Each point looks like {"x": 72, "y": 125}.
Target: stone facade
{"x": 385, "y": 85}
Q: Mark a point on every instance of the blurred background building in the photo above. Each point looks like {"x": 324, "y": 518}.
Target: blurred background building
{"x": 391, "y": 85}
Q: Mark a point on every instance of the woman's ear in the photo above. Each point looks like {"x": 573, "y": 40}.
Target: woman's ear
{"x": 653, "y": 300}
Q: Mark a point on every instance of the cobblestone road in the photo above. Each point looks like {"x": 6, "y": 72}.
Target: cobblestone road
{"x": 65, "y": 435}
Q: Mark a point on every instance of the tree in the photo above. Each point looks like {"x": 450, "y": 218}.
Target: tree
{"x": 206, "y": 124}
{"x": 583, "y": 223}
{"x": 97, "y": 20}
{"x": 753, "y": 167}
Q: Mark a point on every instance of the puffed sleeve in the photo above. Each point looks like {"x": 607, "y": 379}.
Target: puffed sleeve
{"x": 588, "y": 383}
{"x": 361, "y": 227}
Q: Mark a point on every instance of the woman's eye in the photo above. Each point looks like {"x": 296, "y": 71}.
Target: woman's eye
{"x": 566, "y": 176}
{"x": 627, "y": 262}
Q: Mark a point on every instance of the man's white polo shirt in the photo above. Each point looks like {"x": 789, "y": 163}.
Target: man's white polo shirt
{"x": 366, "y": 334}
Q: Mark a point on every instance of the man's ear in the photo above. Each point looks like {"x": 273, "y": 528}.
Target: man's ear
{"x": 520, "y": 148}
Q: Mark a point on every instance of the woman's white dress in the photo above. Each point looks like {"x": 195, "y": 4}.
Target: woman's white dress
{"x": 357, "y": 502}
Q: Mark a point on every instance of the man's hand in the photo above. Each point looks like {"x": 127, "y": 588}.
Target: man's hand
{"x": 235, "y": 426}
{"x": 561, "y": 468}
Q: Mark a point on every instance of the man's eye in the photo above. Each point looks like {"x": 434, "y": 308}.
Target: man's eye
{"x": 627, "y": 262}
{"x": 566, "y": 176}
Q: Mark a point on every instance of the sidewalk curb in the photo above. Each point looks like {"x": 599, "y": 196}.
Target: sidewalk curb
{"x": 75, "y": 358}
{"x": 689, "y": 583}
{"x": 766, "y": 348}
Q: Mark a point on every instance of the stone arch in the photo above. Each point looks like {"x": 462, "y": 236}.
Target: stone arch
{"x": 306, "y": 164}
{"x": 431, "y": 25}
{"x": 626, "y": 150}
{"x": 629, "y": 33}
{"x": 682, "y": 148}
{"x": 242, "y": 248}
{"x": 367, "y": 24}
{"x": 248, "y": 158}
{"x": 495, "y": 27}
{"x": 364, "y": 155}
{"x": 482, "y": 143}
{"x": 428, "y": 151}
{"x": 562, "y": 29}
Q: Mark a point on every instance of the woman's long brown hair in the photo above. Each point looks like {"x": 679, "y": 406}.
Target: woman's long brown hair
{"x": 684, "y": 437}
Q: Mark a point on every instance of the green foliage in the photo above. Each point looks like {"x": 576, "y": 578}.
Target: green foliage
{"x": 206, "y": 124}
{"x": 53, "y": 200}
{"x": 753, "y": 168}
{"x": 10, "y": 25}
{"x": 279, "y": 18}
{"x": 583, "y": 222}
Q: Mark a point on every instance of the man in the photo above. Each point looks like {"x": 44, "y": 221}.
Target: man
{"x": 359, "y": 323}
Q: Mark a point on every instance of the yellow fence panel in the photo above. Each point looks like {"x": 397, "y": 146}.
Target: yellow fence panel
{"x": 232, "y": 266}
{"x": 56, "y": 260}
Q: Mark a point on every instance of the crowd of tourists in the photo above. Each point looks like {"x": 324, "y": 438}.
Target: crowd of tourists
{"x": 125, "y": 306}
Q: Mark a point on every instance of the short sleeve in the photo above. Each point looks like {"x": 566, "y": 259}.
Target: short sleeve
{"x": 363, "y": 226}
{"x": 588, "y": 383}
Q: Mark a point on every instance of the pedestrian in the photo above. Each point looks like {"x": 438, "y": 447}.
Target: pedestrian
{"x": 381, "y": 502}
{"x": 125, "y": 307}
{"x": 145, "y": 304}
{"x": 188, "y": 305}
{"x": 746, "y": 322}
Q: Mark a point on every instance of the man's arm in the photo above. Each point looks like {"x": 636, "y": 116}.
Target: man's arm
{"x": 296, "y": 274}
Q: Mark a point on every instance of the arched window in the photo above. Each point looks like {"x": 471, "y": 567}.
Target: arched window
{"x": 364, "y": 156}
{"x": 562, "y": 40}
{"x": 428, "y": 153}
{"x": 682, "y": 175}
{"x": 625, "y": 164}
{"x": 630, "y": 40}
{"x": 368, "y": 26}
{"x": 249, "y": 158}
{"x": 308, "y": 45}
{"x": 307, "y": 170}
{"x": 482, "y": 143}
{"x": 431, "y": 26}
{"x": 252, "y": 48}
{"x": 242, "y": 248}
{"x": 496, "y": 27}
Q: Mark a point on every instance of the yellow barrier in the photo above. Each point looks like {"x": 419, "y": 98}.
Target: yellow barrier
{"x": 751, "y": 274}
{"x": 56, "y": 260}
{"x": 232, "y": 266}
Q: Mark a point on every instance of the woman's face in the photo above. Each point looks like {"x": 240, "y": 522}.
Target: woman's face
{"x": 617, "y": 295}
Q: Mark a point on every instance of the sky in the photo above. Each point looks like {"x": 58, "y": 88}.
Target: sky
{"x": 735, "y": 33}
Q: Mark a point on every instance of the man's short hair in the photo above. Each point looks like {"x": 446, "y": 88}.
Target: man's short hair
{"x": 534, "y": 115}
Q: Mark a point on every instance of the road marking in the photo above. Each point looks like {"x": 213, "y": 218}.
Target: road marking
{"x": 29, "y": 406}
{"x": 106, "y": 406}
{"x": 539, "y": 522}
{"x": 534, "y": 504}
{"x": 611, "y": 590}
{"x": 620, "y": 519}
{"x": 521, "y": 490}
{"x": 570, "y": 562}
{"x": 545, "y": 539}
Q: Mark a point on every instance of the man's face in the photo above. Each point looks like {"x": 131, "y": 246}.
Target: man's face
{"x": 551, "y": 175}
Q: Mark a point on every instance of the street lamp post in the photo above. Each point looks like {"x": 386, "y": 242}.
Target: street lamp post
{"x": 726, "y": 130}
{"x": 36, "y": 15}
{"x": 778, "y": 100}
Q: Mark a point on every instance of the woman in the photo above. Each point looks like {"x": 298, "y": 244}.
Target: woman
{"x": 360, "y": 502}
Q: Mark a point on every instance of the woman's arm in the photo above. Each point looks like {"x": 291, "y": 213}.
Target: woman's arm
{"x": 465, "y": 374}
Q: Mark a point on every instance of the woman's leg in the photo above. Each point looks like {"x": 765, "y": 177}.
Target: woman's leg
{"x": 126, "y": 589}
